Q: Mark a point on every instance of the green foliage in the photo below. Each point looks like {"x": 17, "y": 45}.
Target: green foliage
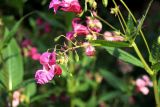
{"x": 8, "y": 35}
{"x": 76, "y": 56}
{"x": 109, "y": 43}
{"x": 119, "y": 53}
{"x": 109, "y": 96}
{"x": 131, "y": 30}
{"x": 113, "y": 80}
{"x": 12, "y": 72}
{"x": 30, "y": 90}
{"x": 155, "y": 56}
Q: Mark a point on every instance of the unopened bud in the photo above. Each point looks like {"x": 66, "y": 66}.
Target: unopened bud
{"x": 91, "y": 37}
{"x": 90, "y": 51}
{"x": 158, "y": 40}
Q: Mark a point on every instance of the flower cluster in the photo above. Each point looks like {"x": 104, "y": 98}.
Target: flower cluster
{"x": 142, "y": 83}
{"x": 93, "y": 26}
{"x": 50, "y": 68}
{"x": 29, "y": 50}
{"x": 66, "y": 5}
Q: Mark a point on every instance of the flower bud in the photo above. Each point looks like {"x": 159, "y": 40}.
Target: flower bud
{"x": 90, "y": 50}
{"x": 94, "y": 24}
{"x": 158, "y": 40}
{"x": 91, "y": 37}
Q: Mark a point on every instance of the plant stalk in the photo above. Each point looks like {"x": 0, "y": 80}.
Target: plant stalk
{"x": 146, "y": 67}
{"x": 156, "y": 92}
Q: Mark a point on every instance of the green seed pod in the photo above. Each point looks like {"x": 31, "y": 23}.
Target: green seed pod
{"x": 105, "y": 3}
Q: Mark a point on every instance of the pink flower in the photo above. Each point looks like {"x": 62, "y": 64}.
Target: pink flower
{"x": 142, "y": 84}
{"x": 66, "y": 5}
{"x": 55, "y": 4}
{"x": 50, "y": 68}
{"x": 58, "y": 70}
{"x": 16, "y": 98}
{"x": 147, "y": 80}
{"x": 144, "y": 90}
{"x": 71, "y": 6}
{"x": 32, "y": 51}
{"x": 70, "y": 35}
{"x": 78, "y": 28}
{"x": 94, "y": 24}
{"x": 36, "y": 56}
{"x": 90, "y": 50}
{"x": 111, "y": 36}
{"x": 48, "y": 58}
{"x": 45, "y": 75}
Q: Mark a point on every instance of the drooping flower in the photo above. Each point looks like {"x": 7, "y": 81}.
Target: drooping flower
{"x": 66, "y": 5}
{"x": 78, "y": 28}
{"x": 89, "y": 49}
{"x": 71, "y": 6}
{"x": 55, "y": 4}
{"x": 70, "y": 35}
{"x": 48, "y": 58}
{"x": 45, "y": 75}
{"x": 50, "y": 68}
{"x": 94, "y": 24}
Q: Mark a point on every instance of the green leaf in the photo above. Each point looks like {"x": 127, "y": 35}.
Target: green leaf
{"x": 113, "y": 80}
{"x": 9, "y": 34}
{"x": 119, "y": 53}
{"x": 76, "y": 56}
{"x": 92, "y": 102}
{"x": 30, "y": 90}
{"x": 12, "y": 71}
{"x": 109, "y": 96}
{"x": 109, "y": 43}
{"x": 155, "y": 56}
{"x": 105, "y": 3}
{"x": 156, "y": 67}
{"x": 41, "y": 96}
{"x": 78, "y": 103}
{"x": 130, "y": 32}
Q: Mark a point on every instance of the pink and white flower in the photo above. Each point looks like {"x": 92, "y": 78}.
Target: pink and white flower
{"x": 142, "y": 84}
{"x": 94, "y": 24}
{"x": 78, "y": 28}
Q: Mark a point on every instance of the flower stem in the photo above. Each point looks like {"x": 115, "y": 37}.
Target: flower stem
{"x": 155, "y": 86}
{"x": 146, "y": 67}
